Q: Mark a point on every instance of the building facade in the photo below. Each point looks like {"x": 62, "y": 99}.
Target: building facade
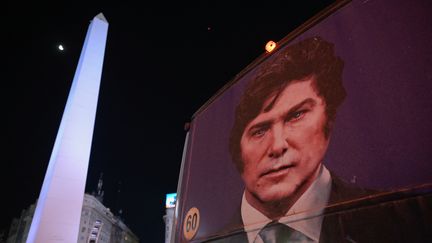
{"x": 98, "y": 225}
{"x": 168, "y": 218}
{"x": 20, "y": 227}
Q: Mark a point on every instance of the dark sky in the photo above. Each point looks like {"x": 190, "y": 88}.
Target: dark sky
{"x": 162, "y": 63}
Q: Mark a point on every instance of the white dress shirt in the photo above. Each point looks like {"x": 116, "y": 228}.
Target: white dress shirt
{"x": 305, "y": 216}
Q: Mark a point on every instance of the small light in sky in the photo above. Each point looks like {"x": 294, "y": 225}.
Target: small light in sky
{"x": 209, "y": 28}
{"x": 60, "y": 47}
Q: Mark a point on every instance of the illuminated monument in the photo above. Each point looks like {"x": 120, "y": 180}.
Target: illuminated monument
{"x": 58, "y": 210}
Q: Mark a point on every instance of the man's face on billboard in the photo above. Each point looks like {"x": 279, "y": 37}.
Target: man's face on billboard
{"x": 282, "y": 148}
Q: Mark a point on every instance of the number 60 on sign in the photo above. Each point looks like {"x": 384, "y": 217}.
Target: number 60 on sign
{"x": 191, "y": 223}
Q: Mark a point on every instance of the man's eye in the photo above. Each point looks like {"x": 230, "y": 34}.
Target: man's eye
{"x": 259, "y": 132}
{"x": 296, "y": 115}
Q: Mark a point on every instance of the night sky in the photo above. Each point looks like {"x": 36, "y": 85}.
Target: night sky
{"x": 162, "y": 63}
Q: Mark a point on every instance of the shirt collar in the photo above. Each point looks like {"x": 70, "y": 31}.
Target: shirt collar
{"x": 305, "y": 215}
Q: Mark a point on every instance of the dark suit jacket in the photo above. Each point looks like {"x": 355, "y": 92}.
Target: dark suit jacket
{"x": 358, "y": 215}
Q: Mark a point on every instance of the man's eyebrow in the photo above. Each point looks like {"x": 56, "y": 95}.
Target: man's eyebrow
{"x": 265, "y": 123}
{"x": 307, "y": 101}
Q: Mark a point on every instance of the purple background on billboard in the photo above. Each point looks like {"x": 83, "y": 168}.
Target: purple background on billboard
{"x": 382, "y": 132}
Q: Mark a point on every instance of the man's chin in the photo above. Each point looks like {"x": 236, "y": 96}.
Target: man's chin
{"x": 276, "y": 195}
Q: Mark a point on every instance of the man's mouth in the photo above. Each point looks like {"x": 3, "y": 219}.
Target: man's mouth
{"x": 276, "y": 171}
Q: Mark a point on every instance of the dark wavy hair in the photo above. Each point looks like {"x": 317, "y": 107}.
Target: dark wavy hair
{"x": 311, "y": 58}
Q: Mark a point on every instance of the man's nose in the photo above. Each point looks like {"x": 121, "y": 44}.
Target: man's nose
{"x": 279, "y": 144}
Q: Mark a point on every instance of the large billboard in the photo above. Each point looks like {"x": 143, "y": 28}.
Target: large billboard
{"x": 326, "y": 139}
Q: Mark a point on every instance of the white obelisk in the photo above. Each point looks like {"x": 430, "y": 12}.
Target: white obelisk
{"x": 58, "y": 210}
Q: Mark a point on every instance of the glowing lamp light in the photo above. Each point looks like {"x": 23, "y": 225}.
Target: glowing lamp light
{"x": 60, "y": 47}
{"x": 270, "y": 46}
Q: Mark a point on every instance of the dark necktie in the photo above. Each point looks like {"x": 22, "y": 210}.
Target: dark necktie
{"x": 275, "y": 232}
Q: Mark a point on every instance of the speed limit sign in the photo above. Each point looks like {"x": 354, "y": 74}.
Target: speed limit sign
{"x": 191, "y": 223}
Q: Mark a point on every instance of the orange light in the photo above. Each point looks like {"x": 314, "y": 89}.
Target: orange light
{"x": 270, "y": 46}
